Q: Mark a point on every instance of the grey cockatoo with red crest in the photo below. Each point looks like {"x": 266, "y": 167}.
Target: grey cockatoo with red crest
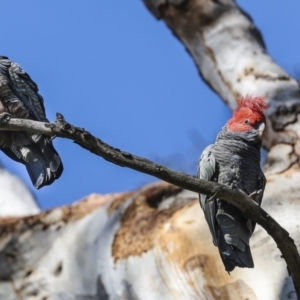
{"x": 234, "y": 160}
{"x": 19, "y": 98}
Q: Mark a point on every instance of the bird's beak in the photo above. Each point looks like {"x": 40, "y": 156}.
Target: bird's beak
{"x": 261, "y": 129}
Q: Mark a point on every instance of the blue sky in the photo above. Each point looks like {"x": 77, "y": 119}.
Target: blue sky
{"x": 110, "y": 67}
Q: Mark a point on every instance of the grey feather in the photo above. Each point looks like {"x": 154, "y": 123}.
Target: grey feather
{"x": 233, "y": 160}
{"x": 207, "y": 170}
{"x": 20, "y": 98}
{"x": 23, "y": 87}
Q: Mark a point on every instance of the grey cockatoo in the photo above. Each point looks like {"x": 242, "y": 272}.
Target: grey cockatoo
{"x": 234, "y": 160}
{"x": 19, "y": 98}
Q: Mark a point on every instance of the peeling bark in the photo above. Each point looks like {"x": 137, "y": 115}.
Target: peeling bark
{"x": 231, "y": 57}
{"x": 144, "y": 216}
{"x": 154, "y": 243}
{"x": 15, "y": 198}
{"x": 164, "y": 250}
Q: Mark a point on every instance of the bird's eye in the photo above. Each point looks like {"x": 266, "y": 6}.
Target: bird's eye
{"x": 246, "y": 121}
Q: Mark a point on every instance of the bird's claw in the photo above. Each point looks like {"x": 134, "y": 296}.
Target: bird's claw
{"x": 234, "y": 186}
{"x": 212, "y": 197}
{"x": 255, "y": 195}
{"x": 4, "y": 118}
{"x": 53, "y": 137}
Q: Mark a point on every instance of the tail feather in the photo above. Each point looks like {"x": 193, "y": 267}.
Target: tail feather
{"x": 36, "y": 152}
{"x": 233, "y": 242}
{"x": 51, "y": 157}
{"x": 43, "y": 164}
{"x": 233, "y": 257}
{"x": 38, "y": 172}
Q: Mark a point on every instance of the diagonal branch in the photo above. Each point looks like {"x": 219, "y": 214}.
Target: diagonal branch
{"x": 249, "y": 208}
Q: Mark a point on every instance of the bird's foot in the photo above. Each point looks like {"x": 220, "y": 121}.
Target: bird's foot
{"x": 255, "y": 195}
{"x": 4, "y": 118}
{"x": 212, "y": 197}
{"x": 53, "y": 137}
{"x": 234, "y": 186}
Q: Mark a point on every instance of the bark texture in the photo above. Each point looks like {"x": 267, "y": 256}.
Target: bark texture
{"x": 154, "y": 243}
{"x": 15, "y": 198}
{"x": 231, "y": 57}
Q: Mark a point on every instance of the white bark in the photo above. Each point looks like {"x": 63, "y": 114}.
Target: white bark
{"x": 150, "y": 244}
{"x": 230, "y": 54}
{"x": 154, "y": 243}
{"x": 15, "y": 198}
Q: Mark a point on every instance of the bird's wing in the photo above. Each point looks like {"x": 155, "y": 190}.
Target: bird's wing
{"x": 259, "y": 193}
{"x": 261, "y": 183}
{"x": 207, "y": 170}
{"x": 24, "y": 88}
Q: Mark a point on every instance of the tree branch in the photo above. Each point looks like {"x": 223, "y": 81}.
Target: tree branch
{"x": 230, "y": 54}
{"x": 249, "y": 208}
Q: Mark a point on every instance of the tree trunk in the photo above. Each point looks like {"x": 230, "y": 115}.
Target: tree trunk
{"x": 154, "y": 243}
{"x": 15, "y": 198}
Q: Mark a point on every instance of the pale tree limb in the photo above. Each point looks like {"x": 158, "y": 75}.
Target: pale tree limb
{"x": 151, "y": 243}
{"x": 231, "y": 57}
{"x": 15, "y": 198}
{"x": 250, "y": 210}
